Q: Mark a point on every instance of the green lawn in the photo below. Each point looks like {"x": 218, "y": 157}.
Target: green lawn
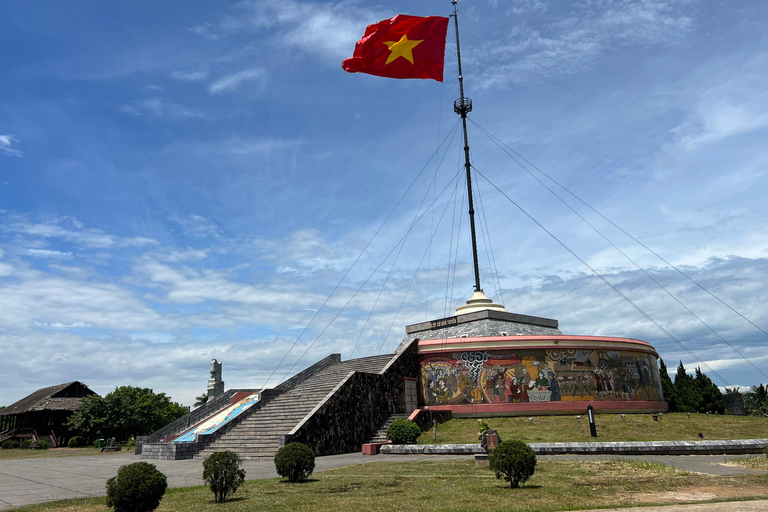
{"x": 458, "y": 485}
{"x": 610, "y": 427}
{"x": 55, "y": 452}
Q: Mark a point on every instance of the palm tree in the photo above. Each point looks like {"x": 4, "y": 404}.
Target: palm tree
{"x": 201, "y": 400}
{"x": 756, "y": 401}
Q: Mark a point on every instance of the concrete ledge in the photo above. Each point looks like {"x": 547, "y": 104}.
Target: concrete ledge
{"x": 373, "y": 448}
{"x": 725, "y": 447}
{"x": 431, "y": 449}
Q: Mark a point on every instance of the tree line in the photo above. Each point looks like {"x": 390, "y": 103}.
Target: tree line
{"x": 698, "y": 393}
{"x": 124, "y": 413}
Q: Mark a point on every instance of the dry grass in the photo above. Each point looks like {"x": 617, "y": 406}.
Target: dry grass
{"x": 458, "y": 485}
{"x": 610, "y": 427}
{"x": 759, "y": 462}
{"x": 53, "y": 452}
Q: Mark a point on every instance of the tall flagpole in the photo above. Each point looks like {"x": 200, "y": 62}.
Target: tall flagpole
{"x": 463, "y": 106}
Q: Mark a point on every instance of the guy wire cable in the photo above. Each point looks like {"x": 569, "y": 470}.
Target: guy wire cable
{"x": 622, "y": 230}
{"x": 397, "y": 256}
{"x": 614, "y": 288}
{"x": 364, "y": 283}
{"x": 434, "y": 155}
{"x": 415, "y": 274}
{"x": 648, "y": 275}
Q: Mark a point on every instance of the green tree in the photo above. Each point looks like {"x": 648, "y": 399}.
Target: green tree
{"x": 686, "y": 393}
{"x": 201, "y": 400}
{"x": 126, "y": 412}
{"x": 667, "y": 387}
{"x": 756, "y": 401}
{"x": 711, "y": 397}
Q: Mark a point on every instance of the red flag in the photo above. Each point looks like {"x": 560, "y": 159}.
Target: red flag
{"x": 402, "y": 47}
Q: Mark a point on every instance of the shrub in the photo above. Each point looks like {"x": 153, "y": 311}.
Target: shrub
{"x": 138, "y": 487}
{"x": 10, "y": 444}
{"x": 25, "y": 444}
{"x": 403, "y": 431}
{"x": 513, "y": 459}
{"x": 295, "y": 461}
{"x": 76, "y": 442}
{"x": 42, "y": 444}
{"x": 223, "y": 473}
{"x": 765, "y": 451}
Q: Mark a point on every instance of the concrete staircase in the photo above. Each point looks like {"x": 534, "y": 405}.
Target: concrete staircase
{"x": 261, "y": 433}
{"x": 381, "y": 435}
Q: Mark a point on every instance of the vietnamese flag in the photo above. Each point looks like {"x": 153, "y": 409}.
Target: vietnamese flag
{"x": 402, "y": 47}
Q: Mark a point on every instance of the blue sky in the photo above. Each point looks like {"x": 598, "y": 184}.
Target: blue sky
{"x": 183, "y": 181}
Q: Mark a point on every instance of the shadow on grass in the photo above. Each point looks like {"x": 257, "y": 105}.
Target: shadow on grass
{"x": 307, "y": 481}
{"x": 231, "y": 500}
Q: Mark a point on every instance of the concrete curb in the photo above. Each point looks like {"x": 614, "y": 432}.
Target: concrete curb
{"x": 721, "y": 447}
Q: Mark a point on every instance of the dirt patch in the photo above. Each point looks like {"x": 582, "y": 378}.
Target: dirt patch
{"x": 704, "y": 493}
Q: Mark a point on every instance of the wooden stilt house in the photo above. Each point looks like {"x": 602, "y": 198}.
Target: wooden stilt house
{"x": 42, "y": 414}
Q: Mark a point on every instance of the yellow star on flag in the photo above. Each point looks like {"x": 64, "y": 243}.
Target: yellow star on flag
{"x": 402, "y": 48}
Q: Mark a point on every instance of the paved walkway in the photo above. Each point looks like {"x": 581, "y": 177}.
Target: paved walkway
{"x": 28, "y": 481}
{"x": 731, "y": 506}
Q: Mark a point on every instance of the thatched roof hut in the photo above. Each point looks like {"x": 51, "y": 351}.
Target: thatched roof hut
{"x": 43, "y": 413}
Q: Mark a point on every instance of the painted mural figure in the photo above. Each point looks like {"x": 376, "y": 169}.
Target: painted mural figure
{"x": 513, "y": 391}
{"x": 524, "y": 384}
{"x": 494, "y": 384}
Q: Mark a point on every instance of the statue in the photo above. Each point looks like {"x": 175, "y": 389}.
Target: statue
{"x": 215, "y": 384}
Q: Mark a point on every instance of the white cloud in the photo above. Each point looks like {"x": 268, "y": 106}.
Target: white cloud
{"x": 6, "y": 145}
{"x": 574, "y": 42}
{"x": 47, "y": 253}
{"x": 190, "y": 76}
{"x": 328, "y": 29}
{"x": 71, "y": 230}
{"x": 231, "y": 82}
{"x": 196, "y": 225}
{"x": 161, "y": 109}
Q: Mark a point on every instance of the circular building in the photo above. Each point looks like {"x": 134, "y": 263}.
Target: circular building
{"x": 486, "y": 361}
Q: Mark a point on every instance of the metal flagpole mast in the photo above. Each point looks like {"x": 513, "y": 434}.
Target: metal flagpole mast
{"x": 463, "y": 106}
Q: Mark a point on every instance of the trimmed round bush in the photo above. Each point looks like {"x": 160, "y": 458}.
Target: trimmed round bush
{"x": 223, "y": 473}
{"x": 76, "y": 442}
{"x": 26, "y": 444}
{"x": 137, "y": 487}
{"x": 514, "y": 460}
{"x": 42, "y": 444}
{"x": 403, "y": 431}
{"x": 10, "y": 444}
{"x": 295, "y": 461}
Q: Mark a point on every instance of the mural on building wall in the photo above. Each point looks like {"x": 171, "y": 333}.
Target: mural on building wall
{"x": 552, "y": 375}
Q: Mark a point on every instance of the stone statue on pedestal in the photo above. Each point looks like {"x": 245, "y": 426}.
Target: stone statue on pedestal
{"x": 215, "y": 384}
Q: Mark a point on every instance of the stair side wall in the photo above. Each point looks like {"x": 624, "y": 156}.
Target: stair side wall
{"x": 189, "y": 420}
{"x": 309, "y": 372}
{"x": 358, "y": 407}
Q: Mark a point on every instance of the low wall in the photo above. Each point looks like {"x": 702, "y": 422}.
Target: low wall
{"x": 352, "y": 412}
{"x": 715, "y": 447}
{"x": 549, "y": 408}
{"x": 169, "y": 451}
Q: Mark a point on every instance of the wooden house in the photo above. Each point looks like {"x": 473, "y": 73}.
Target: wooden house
{"x": 42, "y": 414}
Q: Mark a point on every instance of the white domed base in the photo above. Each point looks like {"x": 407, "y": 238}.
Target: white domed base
{"x": 478, "y": 302}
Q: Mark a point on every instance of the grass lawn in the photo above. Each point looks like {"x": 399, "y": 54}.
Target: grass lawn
{"x": 759, "y": 462}
{"x": 458, "y": 485}
{"x": 54, "y": 452}
{"x": 610, "y": 427}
